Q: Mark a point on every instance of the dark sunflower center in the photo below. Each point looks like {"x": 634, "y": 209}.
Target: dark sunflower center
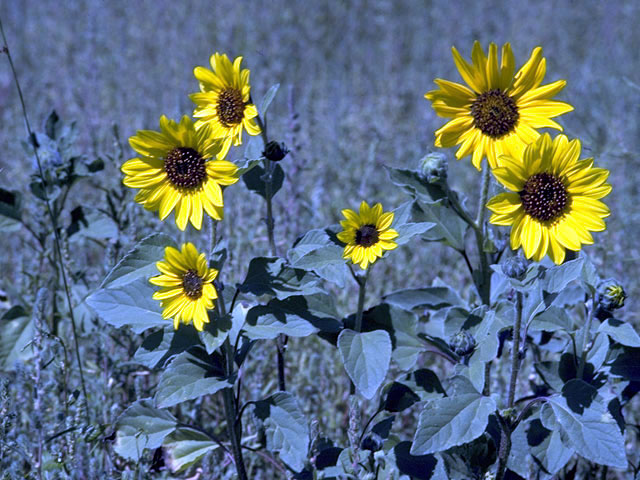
{"x": 367, "y": 235}
{"x": 544, "y": 197}
{"x": 230, "y": 107}
{"x": 192, "y": 284}
{"x": 494, "y": 113}
{"x": 185, "y": 167}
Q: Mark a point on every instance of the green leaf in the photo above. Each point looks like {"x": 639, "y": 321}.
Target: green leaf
{"x": 140, "y": 261}
{"x": 424, "y": 383}
{"x": 366, "y": 357}
{"x": 268, "y": 98}
{"x": 426, "y": 297}
{"x": 318, "y": 252}
{"x": 450, "y": 228}
{"x": 252, "y": 155}
{"x": 142, "y": 426}
{"x": 419, "y": 467}
{"x": 158, "y": 347}
{"x": 254, "y": 180}
{"x": 409, "y": 230}
{"x": 53, "y": 126}
{"x": 130, "y": 305}
{"x": 620, "y": 332}
{"x": 556, "y": 279}
{"x": 17, "y": 333}
{"x": 286, "y": 428}
{"x": 552, "y": 320}
{"x": 216, "y": 331}
{"x": 91, "y": 223}
{"x": 190, "y": 375}
{"x": 590, "y": 428}
{"x": 415, "y": 185}
{"x": 294, "y": 316}
{"x": 452, "y": 421}
{"x": 186, "y": 446}
{"x": 272, "y": 276}
{"x": 627, "y": 364}
{"x": 397, "y": 397}
{"x": 10, "y": 209}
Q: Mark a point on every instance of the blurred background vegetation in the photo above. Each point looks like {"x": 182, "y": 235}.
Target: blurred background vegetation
{"x": 353, "y": 75}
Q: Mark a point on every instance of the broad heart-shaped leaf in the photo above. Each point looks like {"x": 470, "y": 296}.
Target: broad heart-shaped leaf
{"x": 426, "y": 297}
{"x": 190, "y": 375}
{"x": 556, "y": 279}
{"x": 552, "y": 320}
{"x": 415, "y": 185}
{"x": 272, "y": 276}
{"x": 452, "y": 421}
{"x": 286, "y": 428}
{"x": 450, "y": 228}
{"x": 216, "y": 331}
{"x": 184, "y": 447}
{"x": 158, "y": 347}
{"x": 131, "y": 305}
{"x": 268, "y": 98}
{"x": 620, "y": 332}
{"x": 142, "y": 426}
{"x": 17, "y": 333}
{"x": 140, "y": 261}
{"x": 294, "y": 316}
{"x": 319, "y": 251}
{"x": 366, "y": 358}
{"x": 593, "y": 433}
{"x": 254, "y": 180}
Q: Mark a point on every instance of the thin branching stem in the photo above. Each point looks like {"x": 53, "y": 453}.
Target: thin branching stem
{"x": 52, "y": 217}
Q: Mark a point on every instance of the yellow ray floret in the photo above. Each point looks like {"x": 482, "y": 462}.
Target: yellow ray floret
{"x": 367, "y": 234}
{"x": 177, "y": 170}
{"x": 186, "y": 286}
{"x": 498, "y": 112}
{"x": 554, "y": 202}
{"x": 223, "y": 105}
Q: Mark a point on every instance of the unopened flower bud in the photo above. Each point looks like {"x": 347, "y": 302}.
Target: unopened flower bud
{"x": 611, "y": 295}
{"x": 275, "y": 151}
{"x": 515, "y": 267}
{"x": 433, "y": 167}
{"x": 462, "y": 343}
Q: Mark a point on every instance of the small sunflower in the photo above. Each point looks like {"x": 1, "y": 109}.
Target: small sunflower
{"x": 186, "y": 286}
{"x": 554, "y": 201}
{"x": 500, "y": 113}
{"x": 223, "y": 105}
{"x": 176, "y": 170}
{"x": 367, "y": 234}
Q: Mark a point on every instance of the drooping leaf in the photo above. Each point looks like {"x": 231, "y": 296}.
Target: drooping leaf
{"x": 286, "y": 428}
{"x": 140, "y": 261}
{"x": 556, "y": 279}
{"x": 415, "y": 185}
{"x": 318, "y": 252}
{"x": 366, "y": 358}
{"x": 450, "y": 228}
{"x": 424, "y": 383}
{"x": 186, "y": 446}
{"x": 296, "y": 316}
{"x": 591, "y": 429}
{"x": 552, "y": 320}
{"x": 255, "y": 180}
{"x": 129, "y": 305}
{"x": 190, "y": 375}
{"x": 627, "y": 364}
{"x": 426, "y": 297}
{"x": 397, "y": 397}
{"x": 420, "y": 467}
{"x": 158, "y": 347}
{"x": 17, "y": 333}
{"x": 142, "y": 426}
{"x": 272, "y": 276}
{"x": 621, "y": 332}
{"x": 451, "y": 421}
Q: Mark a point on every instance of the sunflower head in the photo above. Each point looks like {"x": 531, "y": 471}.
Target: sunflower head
{"x": 223, "y": 105}
{"x": 554, "y": 199}
{"x": 367, "y": 234}
{"x": 497, "y": 112}
{"x": 177, "y": 170}
{"x": 186, "y": 286}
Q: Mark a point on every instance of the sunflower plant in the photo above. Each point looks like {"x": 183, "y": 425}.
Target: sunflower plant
{"x": 433, "y": 382}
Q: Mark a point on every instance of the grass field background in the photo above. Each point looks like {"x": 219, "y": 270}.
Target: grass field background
{"x": 353, "y": 75}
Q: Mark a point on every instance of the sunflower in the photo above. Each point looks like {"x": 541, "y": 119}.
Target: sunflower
{"x": 500, "y": 112}
{"x": 554, "y": 201}
{"x": 223, "y": 105}
{"x": 175, "y": 170}
{"x": 367, "y": 234}
{"x": 186, "y": 286}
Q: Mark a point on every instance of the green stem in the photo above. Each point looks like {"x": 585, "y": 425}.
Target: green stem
{"x": 54, "y": 223}
{"x": 362, "y": 284}
{"x": 484, "y": 282}
{"x": 585, "y": 339}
